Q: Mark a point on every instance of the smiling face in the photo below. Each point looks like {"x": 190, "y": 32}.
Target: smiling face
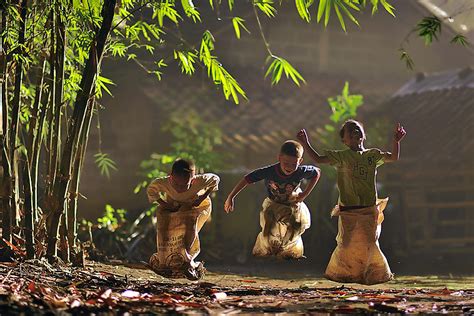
{"x": 289, "y": 164}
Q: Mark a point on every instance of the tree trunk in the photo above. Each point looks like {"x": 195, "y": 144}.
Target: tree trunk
{"x": 59, "y": 196}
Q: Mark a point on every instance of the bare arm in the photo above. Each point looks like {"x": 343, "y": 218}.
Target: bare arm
{"x": 397, "y": 137}
{"x": 229, "y": 202}
{"x": 165, "y": 205}
{"x": 302, "y": 137}
{"x": 203, "y": 197}
{"x": 312, "y": 183}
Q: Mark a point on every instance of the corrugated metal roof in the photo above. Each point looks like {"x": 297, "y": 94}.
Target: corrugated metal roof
{"x": 463, "y": 78}
{"x": 437, "y": 112}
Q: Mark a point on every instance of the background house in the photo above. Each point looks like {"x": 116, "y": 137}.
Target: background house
{"x": 433, "y": 185}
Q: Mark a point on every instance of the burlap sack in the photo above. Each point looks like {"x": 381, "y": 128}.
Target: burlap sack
{"x": 357, "y": 257}
{"x": 282, "y": 227}
{"x": 177, "y": 240}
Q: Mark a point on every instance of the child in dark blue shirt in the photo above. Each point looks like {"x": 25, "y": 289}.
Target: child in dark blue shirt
{"x": 284, "y": 216}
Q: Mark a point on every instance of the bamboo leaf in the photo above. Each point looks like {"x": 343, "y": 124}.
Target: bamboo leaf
{"x": 279, "y": 66}
{"x": 321, "y": 8}
{"x": 105, "y": 164}
{"x": 302, "y": 9}
{"x": 239, "y": 23}
{"x": 404, "y": 56}
{"x": 461, "y": 40}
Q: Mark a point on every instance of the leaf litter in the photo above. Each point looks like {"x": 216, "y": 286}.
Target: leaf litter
{"x": 35, "y": 286}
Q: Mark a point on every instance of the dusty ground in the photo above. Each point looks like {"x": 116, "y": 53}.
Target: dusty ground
{"x": 116, "y": 288}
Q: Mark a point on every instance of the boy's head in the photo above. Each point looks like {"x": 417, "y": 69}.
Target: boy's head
{"x": 290, "y": 157}
{"x": 352, "y": 133}
{"x": 182, "y": 173}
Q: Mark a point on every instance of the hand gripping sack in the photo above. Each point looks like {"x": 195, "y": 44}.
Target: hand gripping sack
{"x": 282, "y": 227}
{"x": 357, "y": 257}
{"x": 177, "y": 240}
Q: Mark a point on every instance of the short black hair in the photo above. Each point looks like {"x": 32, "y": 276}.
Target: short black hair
{"x": 351, "y": 125}
{"x": 183, "y": 167}
{"x": 292, "y": 148}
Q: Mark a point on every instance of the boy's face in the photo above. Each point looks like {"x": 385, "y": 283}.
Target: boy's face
{"x": 289, "y": 164}
{"x": 353, "y": 136}
{"x": 181, "y": 183}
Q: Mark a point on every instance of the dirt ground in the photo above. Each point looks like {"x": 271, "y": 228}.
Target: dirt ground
{"x": 117, "y": 288}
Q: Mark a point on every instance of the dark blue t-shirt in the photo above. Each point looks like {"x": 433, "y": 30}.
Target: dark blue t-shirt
{"x": 280, "y": 186}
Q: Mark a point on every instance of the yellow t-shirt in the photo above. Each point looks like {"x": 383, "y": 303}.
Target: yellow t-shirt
{"x": 356, "y": 172}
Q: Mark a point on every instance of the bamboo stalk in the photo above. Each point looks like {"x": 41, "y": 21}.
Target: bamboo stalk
{"x": 5, "y": 185}
{"x": 28, "y": 209}
{"x": 15, "y": 121}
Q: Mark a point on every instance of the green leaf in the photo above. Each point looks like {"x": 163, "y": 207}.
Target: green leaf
{"x": 190, "y": 10}
{"x": 460, "y": 39}
{"x": 101, "y": 84}
{"x": 280, "y": 66}
{"x": 348, "y": 13}
{"x": 186, "y": 61}
{"x": 219, "y": 75}
{"x": 340, "y": 18}
{"x": 302, "y": 8}
{"x": 429, "y": 28}
{"x": 404, "y": 56}
{"x": 105, "y": 164}
{"x": 322, "y": 8}
{"x": 388, "y": 7}
{"x": 266, "y": 6}
{"x": 239, "y": 23}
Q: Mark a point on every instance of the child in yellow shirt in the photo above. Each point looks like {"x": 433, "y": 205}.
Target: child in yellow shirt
{"x": 357, "y": 257}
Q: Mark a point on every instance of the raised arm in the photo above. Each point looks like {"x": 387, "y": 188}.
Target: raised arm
{"x": 397, "y": 137}
{"x": 303, "y": 138}
{"x": 229, "y": 202}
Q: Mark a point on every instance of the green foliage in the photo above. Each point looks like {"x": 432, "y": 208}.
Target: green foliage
{"x": 302, "y": 6}
{"x": 375, "y": 6}
{"x": 186, "y": 61}
{"x": 279, "y": 66}
{"x": 193, "y": 138}
{"x": 429, "y": 28}
{"x": 112, "y": 218}
{"x": 217, "y": 72}
{"x": 461, "y": 40}
{"x": 101, "y": 85}
{"x": 266, "y": 6}
{"x": 239, "y": 23}
{"x": 191, "y": 10}
{"x": 105, "y": 164}
{"x": 344, "y": 106}
{"x": 404, "y": 56}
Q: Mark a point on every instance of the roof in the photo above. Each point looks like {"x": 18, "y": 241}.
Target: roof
{"x": 437, "y": 111}
{"x": 453, "y": 79}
